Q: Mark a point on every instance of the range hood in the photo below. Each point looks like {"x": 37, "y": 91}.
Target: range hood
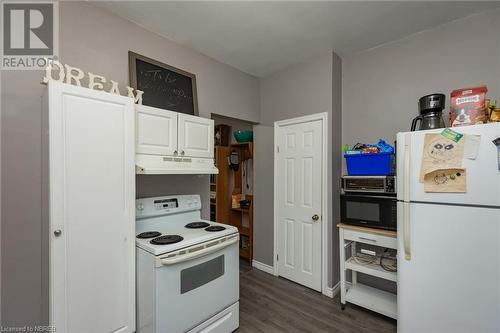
{"x": 166, "y": 165}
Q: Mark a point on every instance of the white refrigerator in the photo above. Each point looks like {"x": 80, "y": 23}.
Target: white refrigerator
{"x": 449, "y": 243}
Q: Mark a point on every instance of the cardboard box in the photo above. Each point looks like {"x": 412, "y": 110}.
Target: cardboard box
{"x": 467, "y": 106}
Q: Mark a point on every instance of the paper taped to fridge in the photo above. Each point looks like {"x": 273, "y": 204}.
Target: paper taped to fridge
{"x": 471, "y": 146}
{"x": 440, "y": 153}
{"x": 446, "y": 181}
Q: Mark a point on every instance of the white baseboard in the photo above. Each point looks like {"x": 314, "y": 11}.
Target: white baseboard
{"x": 332, "y": 291}
{"x": 263, "y": 267}
{"x": 329, "y": 292}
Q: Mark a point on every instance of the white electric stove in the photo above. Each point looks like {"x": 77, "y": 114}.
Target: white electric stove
{"x": 187, "y": 268}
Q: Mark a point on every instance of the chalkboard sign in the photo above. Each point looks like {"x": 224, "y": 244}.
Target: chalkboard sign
{"x": 164, "y": 86}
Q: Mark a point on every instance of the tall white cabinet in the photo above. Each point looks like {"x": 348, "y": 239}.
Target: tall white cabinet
{"x": 89, "y": 220}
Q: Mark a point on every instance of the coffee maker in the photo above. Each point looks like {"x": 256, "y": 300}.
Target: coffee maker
{"x": 431, "y": 112}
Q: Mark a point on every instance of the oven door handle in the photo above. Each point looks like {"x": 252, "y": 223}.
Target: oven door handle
{"x": 197, "y": 251}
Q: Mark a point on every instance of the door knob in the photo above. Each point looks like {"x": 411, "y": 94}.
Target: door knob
{"x": 57, "y": 232}
{"x": 315, "y": 217}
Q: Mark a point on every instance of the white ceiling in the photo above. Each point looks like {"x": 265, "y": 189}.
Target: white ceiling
{"x": 263, "y": 37}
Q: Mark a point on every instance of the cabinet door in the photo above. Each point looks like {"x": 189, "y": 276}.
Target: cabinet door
{"x": 196, "y": 136}
{"x": 91, "y": 224}
{"x": 156, "y": 131}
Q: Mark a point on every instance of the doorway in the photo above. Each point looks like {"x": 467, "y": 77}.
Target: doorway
{"x": 300, "y": 206}
{"x": 231, "y": 190}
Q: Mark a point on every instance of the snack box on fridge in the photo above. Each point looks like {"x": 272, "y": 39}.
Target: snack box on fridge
{"x": 467, "y": 106}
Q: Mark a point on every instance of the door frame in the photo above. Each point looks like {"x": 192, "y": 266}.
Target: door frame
{"x": 324, "y": 192}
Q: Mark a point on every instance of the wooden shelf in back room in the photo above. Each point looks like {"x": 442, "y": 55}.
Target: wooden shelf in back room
{"x": 244, "y": 231}
{"x": 246, "y": 148}
{"x": 243, "y": 210}
{"x": 240, "y": 217}
{"x": 220, "y": 185}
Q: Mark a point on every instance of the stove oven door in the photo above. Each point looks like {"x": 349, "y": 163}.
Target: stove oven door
{"x": 193, "y": 286}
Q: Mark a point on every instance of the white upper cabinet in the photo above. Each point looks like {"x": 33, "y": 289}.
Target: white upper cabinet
{"x": 196, "y": 136}
{"x": 156, "y": 131}
{"x": 168, "y": 142}
{"x": 168, "y": 133}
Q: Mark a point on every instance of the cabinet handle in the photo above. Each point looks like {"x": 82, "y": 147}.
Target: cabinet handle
{"x": 176, "y": 153}
{"x": 368, "y": 239}
{"x": 182, "y": 153}
{"x": 57, "y": 232}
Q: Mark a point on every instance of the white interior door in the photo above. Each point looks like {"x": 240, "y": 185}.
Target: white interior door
{"x": 92, "y": 201}
{"x": 156, "y": 131}
{"x": 196, "y": 136}
{"x": 299, "y": 202}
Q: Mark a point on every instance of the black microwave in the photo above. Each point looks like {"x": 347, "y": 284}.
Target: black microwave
{"x": 374, "y": 211}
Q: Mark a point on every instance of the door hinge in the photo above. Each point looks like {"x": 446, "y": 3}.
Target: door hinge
{"x": 277, "y": 257}
{"x": 277, "y": 149}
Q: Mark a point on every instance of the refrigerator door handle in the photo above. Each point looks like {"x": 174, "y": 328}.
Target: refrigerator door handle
{"x": 406, "y": 175}
{"x": 406, "y": 230}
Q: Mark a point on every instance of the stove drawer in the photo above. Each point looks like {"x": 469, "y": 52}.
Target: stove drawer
{"x": 223, "y": 322}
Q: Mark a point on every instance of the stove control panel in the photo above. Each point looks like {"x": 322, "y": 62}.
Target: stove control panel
{"x": 166, "y": 203}
{"x": 156, "y": 206}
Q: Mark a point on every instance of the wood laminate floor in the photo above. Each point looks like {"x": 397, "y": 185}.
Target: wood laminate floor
{"x": 272, "y": 304}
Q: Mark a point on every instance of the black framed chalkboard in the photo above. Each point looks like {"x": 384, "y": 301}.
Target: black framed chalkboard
{"x": 164, "y": 86}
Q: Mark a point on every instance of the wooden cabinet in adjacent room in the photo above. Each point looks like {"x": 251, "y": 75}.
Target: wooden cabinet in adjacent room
{"x": 242, "y": 202}
{"x": 220, "y": 198}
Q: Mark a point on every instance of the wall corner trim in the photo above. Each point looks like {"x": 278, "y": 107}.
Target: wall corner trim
{"x": 263, "y": 267}
{"x": 332, "y": 291}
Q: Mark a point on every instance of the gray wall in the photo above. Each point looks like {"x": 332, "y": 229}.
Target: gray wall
{"x": 21, "y": 198}
{"x": 381, "y": 87}
{"x": 95, "y": 41}
{"x": 336, "y": 162}
{"x": 297, "y": 91}
{"x": 264, "y": 193}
